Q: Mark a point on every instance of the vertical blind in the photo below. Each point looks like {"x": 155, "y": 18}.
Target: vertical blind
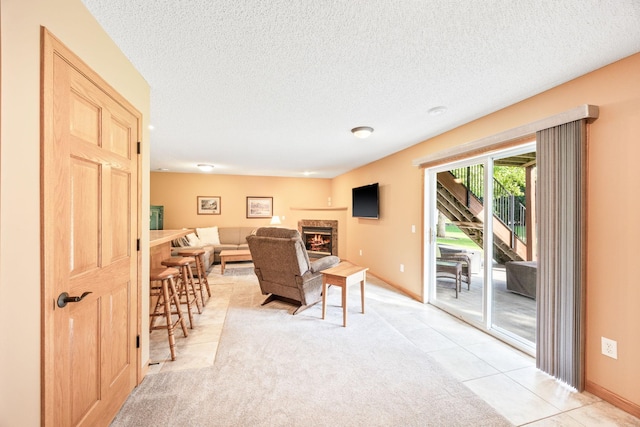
{"x": 561, "y": 152}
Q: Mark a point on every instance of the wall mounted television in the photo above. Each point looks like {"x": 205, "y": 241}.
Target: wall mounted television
{"x": 365, "y": 201}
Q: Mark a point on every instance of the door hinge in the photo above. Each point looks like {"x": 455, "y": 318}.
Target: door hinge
{"x": 137, "y": 341}
{"x": 139, "y": 145}
{"x": 138, "y": 245}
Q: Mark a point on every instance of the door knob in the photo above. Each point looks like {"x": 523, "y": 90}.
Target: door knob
{"x": 64, "y": 299}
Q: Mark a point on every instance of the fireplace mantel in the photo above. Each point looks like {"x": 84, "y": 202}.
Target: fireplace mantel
{"x": 325, "y": 208}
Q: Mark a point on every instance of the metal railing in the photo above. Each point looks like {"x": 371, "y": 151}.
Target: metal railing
{"x": 506, "y": 207}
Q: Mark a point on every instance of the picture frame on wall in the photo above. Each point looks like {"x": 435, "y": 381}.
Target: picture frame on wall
{"x": 259, "y": 207}
{"x": 209, "y": 205}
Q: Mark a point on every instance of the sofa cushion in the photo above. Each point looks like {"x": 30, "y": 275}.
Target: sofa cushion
{"x": 208, "y": 235}
{"x": 234, "y": 235}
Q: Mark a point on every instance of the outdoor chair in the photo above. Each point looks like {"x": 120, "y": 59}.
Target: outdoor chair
{"x": 457, "y": 256}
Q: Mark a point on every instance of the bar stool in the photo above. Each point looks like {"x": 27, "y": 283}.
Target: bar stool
{"x": 198, "y": 254}
{"x": 187, "y": 288}
{"x": 167, "y": 296}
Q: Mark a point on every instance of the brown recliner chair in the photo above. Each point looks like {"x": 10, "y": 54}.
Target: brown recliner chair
{"x": 283, "y": 268}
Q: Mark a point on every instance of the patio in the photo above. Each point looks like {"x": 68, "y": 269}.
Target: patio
{"x": 514, "y": 312}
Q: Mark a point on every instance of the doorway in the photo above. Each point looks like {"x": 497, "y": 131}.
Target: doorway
{"x": 481, "y": 224}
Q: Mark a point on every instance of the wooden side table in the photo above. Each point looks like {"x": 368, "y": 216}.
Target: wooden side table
{"x": 343, "y": 275}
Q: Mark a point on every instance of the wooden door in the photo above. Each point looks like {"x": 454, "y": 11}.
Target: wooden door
{"x": 90, "y": 227}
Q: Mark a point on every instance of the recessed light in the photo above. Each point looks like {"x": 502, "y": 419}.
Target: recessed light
{"x": 205, "y": 167}
{"x": 362, "y": 131}
{"x": 151, "y": 127}
{"x": 436, "y": 111}
{"x": 162, "y": 169}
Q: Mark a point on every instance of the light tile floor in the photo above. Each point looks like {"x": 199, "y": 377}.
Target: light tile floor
{"x": 499, "y": 374}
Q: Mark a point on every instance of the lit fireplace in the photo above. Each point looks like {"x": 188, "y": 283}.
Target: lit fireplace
{"x": 317, "y": 240}
{"x": 319, "y": 236}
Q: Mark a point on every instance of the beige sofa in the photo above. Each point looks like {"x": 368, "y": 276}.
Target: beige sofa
{"x": 229, "y": 238}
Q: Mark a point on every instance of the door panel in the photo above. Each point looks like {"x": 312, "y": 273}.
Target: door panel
{"x": 85, "y": 119}
{"x": 119, "y": 142}
{"x": 85, "y": 207}
{"x": 458, "y": 219}
{"x": 85, "y": 358}
{"x": 121, "y": 222}
{"x": 89, "y": 192}
{"x": 512, "y": 312}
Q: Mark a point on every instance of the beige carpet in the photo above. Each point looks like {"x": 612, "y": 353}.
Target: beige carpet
{"x": 275, "y": 369}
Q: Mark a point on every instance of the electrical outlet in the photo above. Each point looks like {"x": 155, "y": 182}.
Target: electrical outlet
{"x": 413, "y": 228}
{"x": 401, "y": 268}
{"x": 610, "y": 348}
{"x": 360, "y": 252}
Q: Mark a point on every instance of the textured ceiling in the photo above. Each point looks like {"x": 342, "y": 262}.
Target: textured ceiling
{"x": 273, "y": 87}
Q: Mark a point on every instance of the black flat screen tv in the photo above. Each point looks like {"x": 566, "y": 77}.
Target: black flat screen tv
{"x": 365, "y": 201}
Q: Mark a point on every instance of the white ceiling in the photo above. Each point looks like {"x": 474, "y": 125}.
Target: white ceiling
{"x": 273, "y": 87}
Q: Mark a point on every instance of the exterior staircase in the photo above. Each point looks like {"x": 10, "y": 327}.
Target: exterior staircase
{"x": 460, "y": 206}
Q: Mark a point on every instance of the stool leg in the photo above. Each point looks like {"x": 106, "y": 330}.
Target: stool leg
{"x": 200, "y": 260}
{"x": 200, "y": 271}
{"x": 176, "y": 301}
{"x": 167, "y": 313}
{"x": 159, "y": 296}
{"x": 192, "y": 285}
{"x": 183, "y": 290}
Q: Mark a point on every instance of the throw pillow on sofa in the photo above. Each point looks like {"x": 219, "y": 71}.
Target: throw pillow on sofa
{"x": 209, "y": 235}
{"x": 193, "y": 239}
{"x": 180, "y": 242}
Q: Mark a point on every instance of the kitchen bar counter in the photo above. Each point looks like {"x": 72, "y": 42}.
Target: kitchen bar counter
{"x": 160, "y": 244}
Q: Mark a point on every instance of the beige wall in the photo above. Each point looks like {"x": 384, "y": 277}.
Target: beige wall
{"x": 293, "y": 198}
{"x": 388, "y": 241}
{"x": 613, "y": 291}
{"x": 20, "y": 174}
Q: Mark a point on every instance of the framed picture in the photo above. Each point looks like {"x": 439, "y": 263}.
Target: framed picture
{"x": 208, "y": 205}
{"x": 259, "y": 207}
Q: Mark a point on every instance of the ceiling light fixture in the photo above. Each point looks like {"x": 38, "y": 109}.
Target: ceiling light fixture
{"x": 204, "y": 167}
{"x": 362, "y": 131}
{"x": 436, "y": 111}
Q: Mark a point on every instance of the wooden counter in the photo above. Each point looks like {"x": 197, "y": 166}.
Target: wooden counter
{"x": 160, "y": 244}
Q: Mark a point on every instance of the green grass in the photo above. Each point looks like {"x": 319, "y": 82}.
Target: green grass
{"x": 455, "y": 237}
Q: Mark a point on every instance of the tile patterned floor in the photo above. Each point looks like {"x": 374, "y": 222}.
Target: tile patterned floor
{"x": 501, "y": 375}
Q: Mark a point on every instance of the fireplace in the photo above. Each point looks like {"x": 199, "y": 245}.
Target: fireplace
{"x": 317, "y": 240}
{"x": 319, "y": 236}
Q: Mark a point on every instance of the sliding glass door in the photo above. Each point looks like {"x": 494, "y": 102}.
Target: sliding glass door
{"x": 514, "y": 285}
{"x": 481, "y": 245}
{"x": 459, "y": 278}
